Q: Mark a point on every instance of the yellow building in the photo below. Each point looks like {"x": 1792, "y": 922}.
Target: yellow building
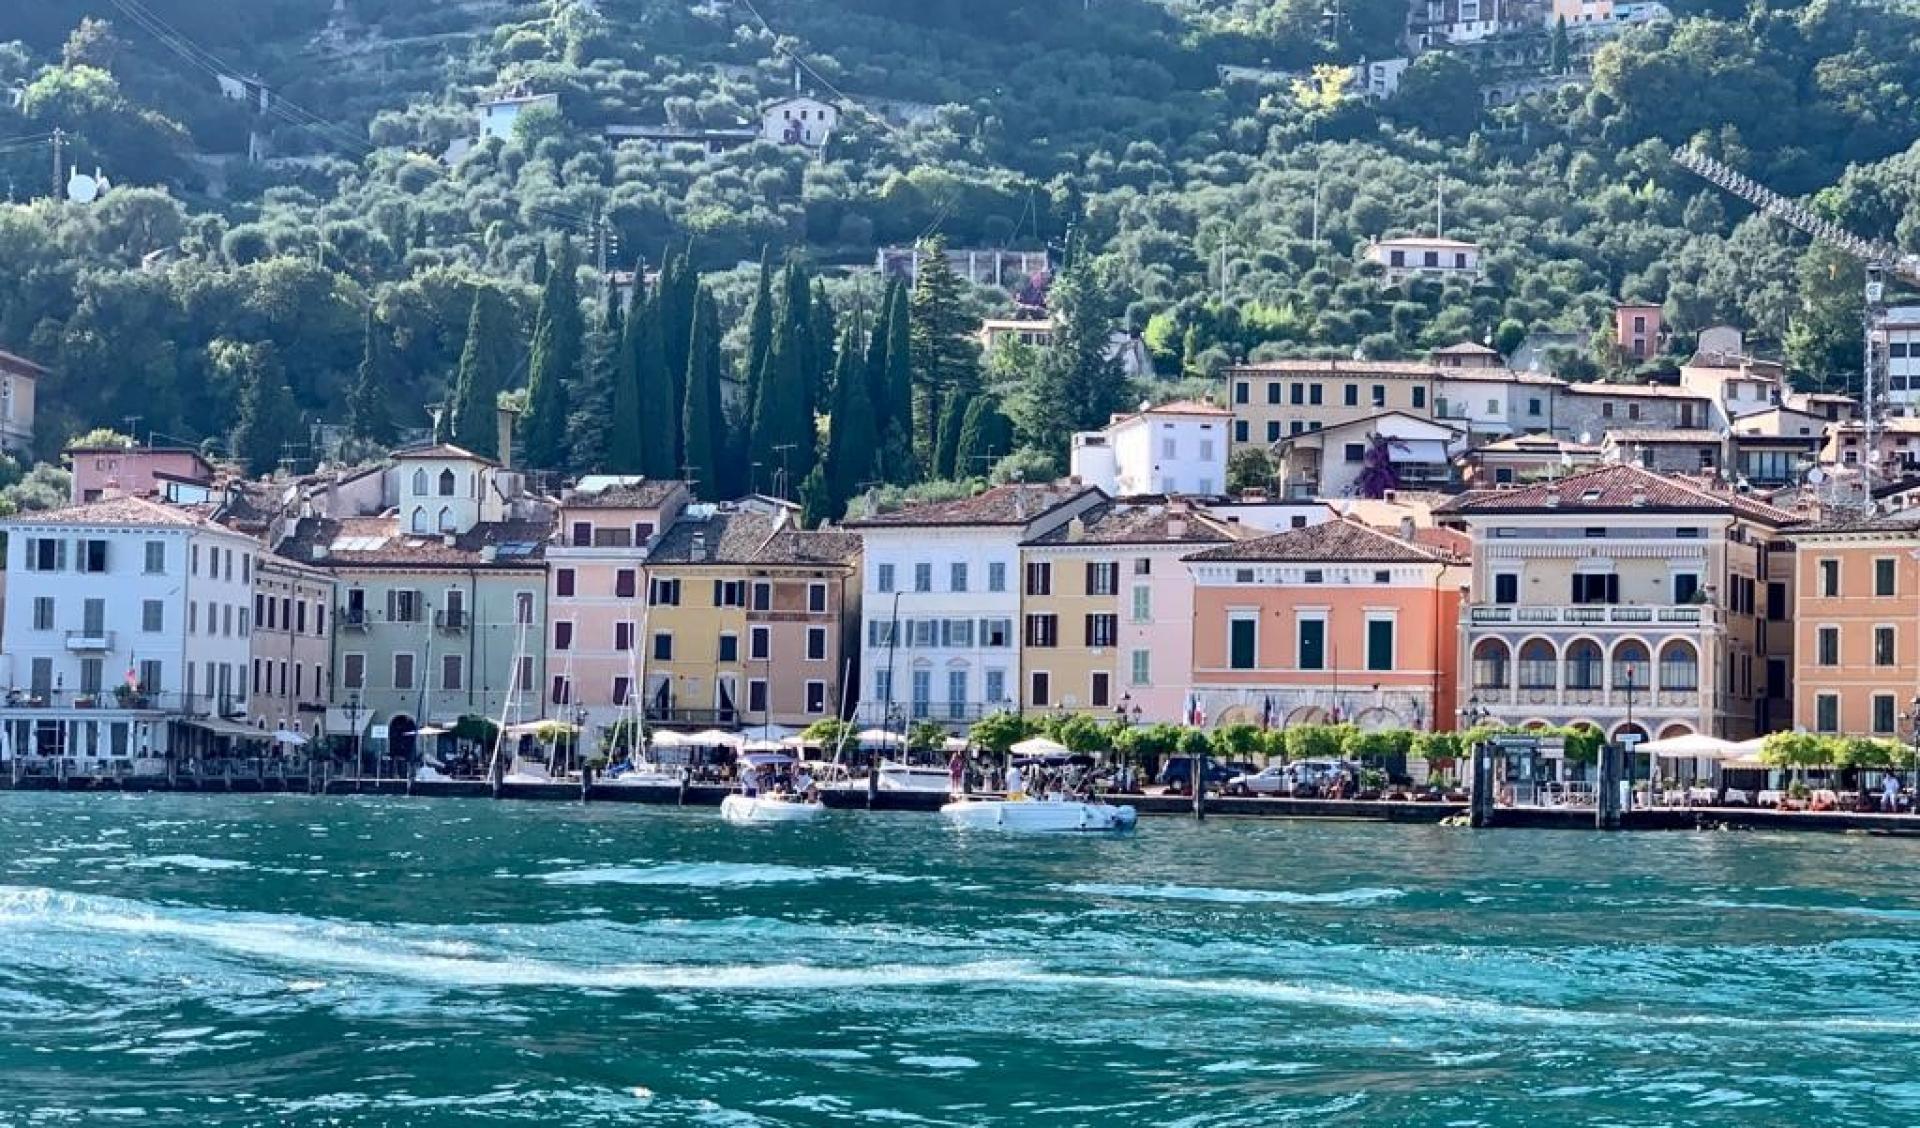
{"x": 1107, "y": 609}
{"x": 693, "y": 633}
{"x": 1274, "y": 399}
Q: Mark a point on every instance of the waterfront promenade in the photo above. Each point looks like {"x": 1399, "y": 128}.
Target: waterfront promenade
{"x": 232, "y": 779}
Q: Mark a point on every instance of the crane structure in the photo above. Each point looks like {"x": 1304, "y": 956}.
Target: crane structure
{"x": 1881, "y": 260}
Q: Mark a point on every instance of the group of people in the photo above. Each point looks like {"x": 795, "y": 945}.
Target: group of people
{"x": 790, "y": 779}
{"x": 1043, "y": 782}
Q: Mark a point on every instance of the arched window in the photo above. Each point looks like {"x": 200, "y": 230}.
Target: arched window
{"x": 1630, "y": 665}
{"x": 1490, "y": 663}
{"x": 419, "y": 520}
{"x": 419, "y": 482}
{"x": 446, "y": 519}
{"x": 446, "y": 483}
{"x": 1584, "y": 664}
{"x": 1537, "y": 665}
{"x": 1679, "y": 666}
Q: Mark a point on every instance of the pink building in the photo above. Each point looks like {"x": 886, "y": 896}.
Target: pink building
{"x": 596, "y": 576}
{"x": 1637, "y": 329}
{"x": 1333, "y": 622}
{"x": 135, "y": 471}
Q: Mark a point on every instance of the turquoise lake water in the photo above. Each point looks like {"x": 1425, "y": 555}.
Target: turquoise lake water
{"x": 176, "y": 960}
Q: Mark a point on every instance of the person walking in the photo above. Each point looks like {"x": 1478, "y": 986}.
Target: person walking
{"x": 957, "y": 773}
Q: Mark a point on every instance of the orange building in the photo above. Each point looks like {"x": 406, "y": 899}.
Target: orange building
{"x": 1334, "y": 622}
{"x": 1857, "y": 626}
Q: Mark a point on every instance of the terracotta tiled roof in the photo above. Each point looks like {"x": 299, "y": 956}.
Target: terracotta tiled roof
{"x": 441, "y": 450}
{"x": 1341, "y": 368}
{"x": 1119, "y": 522}
{"x": 1654, "y": 391}
{"x": 637, "y": 493}
{"x": 20, "y": 363}
{"x": 1187, "y": 407}
{"x": 1339, "y": 541}
{"x": 1891, "y": 525}
{"x": 1616, "y": 488}
{"x": 722, "y": 538}
{"x": 1002, "y": 505}
{"x": 115, "y": 511}
{"x": 817, "y": 546}
{"x": 379, "y": 542}
{"x": 1664, "y": 435}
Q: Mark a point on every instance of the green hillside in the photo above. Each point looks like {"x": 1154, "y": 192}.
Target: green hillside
{"x": 1103, "y": 122}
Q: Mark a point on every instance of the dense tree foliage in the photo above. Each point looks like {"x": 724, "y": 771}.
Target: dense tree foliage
{"x": 1223, "y": 213}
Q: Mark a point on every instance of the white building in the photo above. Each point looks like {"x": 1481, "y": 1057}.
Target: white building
{"x": 941, "y": 586}
{"x": 799, "y": 121}
{"x": 19, "y": 377}
{"x": 1411, "y": 255}
{"x": 127, "y": 633}
{"x": 497, "y": 115}
{"x": 1898, "y": 335}
{"x": 1176, "y": 448}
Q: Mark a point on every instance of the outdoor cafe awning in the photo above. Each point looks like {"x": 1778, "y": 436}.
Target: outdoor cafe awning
{"x": 337, "y": 721}
{"x": 232, "y": 730}
{"x": 1692, "y": 746}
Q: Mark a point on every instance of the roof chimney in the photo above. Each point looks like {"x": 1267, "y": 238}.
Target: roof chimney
{"x": 1076, "y": 529}
{"x": 503, "y": 420}
{"x": 697, "y": 550}
{"x": 1639, "y": 498}
{"x": 1553, "y": 499}
{"x": 1406, "y": 529}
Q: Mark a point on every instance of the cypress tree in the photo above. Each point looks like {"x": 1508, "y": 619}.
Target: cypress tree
{"x": 952, "y": 413}
{"x": 660, "y": 408}
{"x": 985, "y": 435}
{"x": 588, "y": 425}
{"x": 796, "y": 322}
{"x": 946, "y": 361}
{"x": 370, "y": 406}
{"x": 876, "y": 361}
{"x": 484, "y": 363}
{"x": 701, "y": 428}
{"x": 759, "y": 334}
{"x": 776, "y": 435}
{"x": 269, "y": 420}
{"x": 903, "y": 469}
{"x": 853, "y": 442}
{"x": 678, "y": 282}
{"x": 555, "y": 364}
{"x": 623, "y": 394}
{"x": 821, "y": 332}
{"x": 816, "y": 500}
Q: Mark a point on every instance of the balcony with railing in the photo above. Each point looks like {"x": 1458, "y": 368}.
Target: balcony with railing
{"x": 1590, "y": 614}
{"x": 353, "y": 618}
{"x": 90, "y": 639}
{"x": 122, "y": 698}
{"x": 450, "y": 621}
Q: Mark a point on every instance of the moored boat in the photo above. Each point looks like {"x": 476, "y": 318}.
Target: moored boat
{"x": 762, "y": 800}
{"x": 1039, "y": 815}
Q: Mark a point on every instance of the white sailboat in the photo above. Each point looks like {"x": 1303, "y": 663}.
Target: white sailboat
{"x": 641, "y": 769}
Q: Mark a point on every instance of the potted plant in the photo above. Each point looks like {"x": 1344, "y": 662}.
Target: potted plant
{"x": 1372, "y": 780}
{"x": 84, "y": 701}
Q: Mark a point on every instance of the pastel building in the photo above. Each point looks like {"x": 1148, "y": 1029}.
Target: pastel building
{"x": 135, "y": 471}
{"x": 1106, "y": 619}
{"x": 19, "y": 381}
{"x": 941, "y": 602}
{"x": 127, "y": 633}
{"x": 1631, "y": 601}
{"x": 596, "y": 587}
{"x": 1333, "y": 622}
{"x": 1854, "y": 627}
{"x": 442, "y": 601}
{"x": 291, "y": 646}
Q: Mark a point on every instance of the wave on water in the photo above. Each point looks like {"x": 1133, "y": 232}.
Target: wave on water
{"x": 187, "y": 862}
{"x": 1225, "y": 896}
{"x": 716, "y": 875}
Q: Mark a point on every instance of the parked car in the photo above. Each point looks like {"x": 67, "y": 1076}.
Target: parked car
{"x": 1270, "y": 780}
{"x": 1177, "y": 773}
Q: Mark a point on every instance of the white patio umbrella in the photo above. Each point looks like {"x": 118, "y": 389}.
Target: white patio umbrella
{"x": 766, "y": 733}
{"x": 1040, "y": 746}
{"x": 1692, "y": 746}
{"x": 878, "y": 736}
{"x": 717, "y": 738}
{"x": 290, "y": 738}
{"x": 664, "y": 738}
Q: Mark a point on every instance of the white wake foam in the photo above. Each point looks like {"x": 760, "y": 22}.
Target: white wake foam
{"x": 1226, "y": 896}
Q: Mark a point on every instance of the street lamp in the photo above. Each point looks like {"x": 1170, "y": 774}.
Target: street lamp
{"x": 579, "y": 731}
{"x": 353, "y": 724}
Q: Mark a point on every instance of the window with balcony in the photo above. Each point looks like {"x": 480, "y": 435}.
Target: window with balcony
{"x": 1537, "y": 665}
{"x": 1491, "y": 664}
{"x": 1506, "y": 587}
{"x": 1686, "y": 586}
{"x": 1596, "y": 587}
